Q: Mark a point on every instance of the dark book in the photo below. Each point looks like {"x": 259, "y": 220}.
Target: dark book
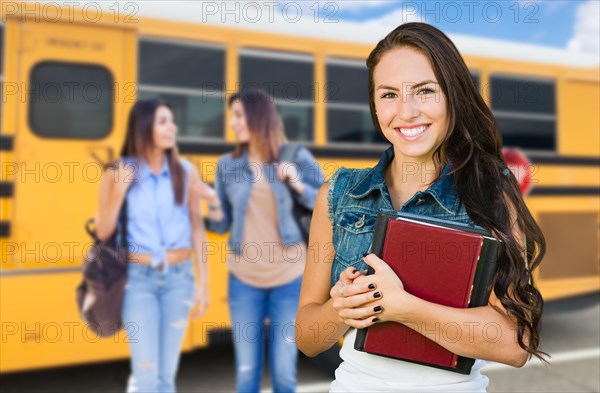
{"x": 440, "y": 261}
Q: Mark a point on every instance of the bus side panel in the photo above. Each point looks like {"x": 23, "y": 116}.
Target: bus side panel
{"x": 41, "y": 325}
{"x": 579, "y": 123}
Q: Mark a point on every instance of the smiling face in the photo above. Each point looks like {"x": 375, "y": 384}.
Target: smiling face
{"x": 410, "y": 105}
{"x": 238, "y": 122}
{"x": 164, "y": 129}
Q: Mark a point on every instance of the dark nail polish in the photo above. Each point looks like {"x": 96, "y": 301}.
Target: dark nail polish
{"x": 354, "y": 271}
{"x": 377, "y": 295}
{"x": 365, "y": 254}
{"x": 377, "y": 308}
{"x": 371, "y": 286}
{"x": 375, "y": 319}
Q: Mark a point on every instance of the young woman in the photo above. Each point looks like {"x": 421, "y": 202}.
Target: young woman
{"x": 164, "y": 226}
{"x": 444, "y": 161}
{"x": 266, "y": 253}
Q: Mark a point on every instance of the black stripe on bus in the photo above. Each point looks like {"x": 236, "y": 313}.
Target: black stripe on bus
{"x": 317, "y": 151}
{"x": 374, "y": 153}
{"x": 348, "y": 152}
{"x": 205, "y": 147}
{"x": 6, "y": 142}
{"x": 4, "y": 229}
{"x": 7, "y": 189}
{"x": 563, "y": 160}
{"x": 565, "y": 191}
{"x": 38, "y": 271}
{"x": 547, "y": 191}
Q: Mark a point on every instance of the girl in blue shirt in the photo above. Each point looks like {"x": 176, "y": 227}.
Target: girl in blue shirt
{"x": 164, "y": 227}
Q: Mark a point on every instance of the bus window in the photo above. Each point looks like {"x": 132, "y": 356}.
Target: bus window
{"x": 190, "y": 77}
{"x": 348, "y": 115}
{"x": 1, "y": 67}
{"x": 289, "y": 78}
{"x": 476, "y": 79}
{"x": 525, "y": 111}
{"x": 70, "y": 100}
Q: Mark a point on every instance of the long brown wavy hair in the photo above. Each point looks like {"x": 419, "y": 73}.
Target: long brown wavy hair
{"x": 473, "y": 148}
{"x": 139, "y": 139}
{"x": 263, "y": 121}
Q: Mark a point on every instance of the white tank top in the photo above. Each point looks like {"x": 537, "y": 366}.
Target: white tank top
{"x": 361, "y": 372}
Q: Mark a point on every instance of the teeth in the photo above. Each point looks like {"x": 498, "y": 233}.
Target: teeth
{"x": 412, "y": 131}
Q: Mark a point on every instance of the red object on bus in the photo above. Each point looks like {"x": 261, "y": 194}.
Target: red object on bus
{"x": 521, "y": 167}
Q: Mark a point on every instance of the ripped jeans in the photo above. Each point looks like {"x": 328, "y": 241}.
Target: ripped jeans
{"x": 156, "y": 313}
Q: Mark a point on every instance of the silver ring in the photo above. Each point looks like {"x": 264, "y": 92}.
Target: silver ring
{"x": 341, "y": 290}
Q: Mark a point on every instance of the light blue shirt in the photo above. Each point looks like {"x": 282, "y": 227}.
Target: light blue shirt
{"x": 155, "y": 223}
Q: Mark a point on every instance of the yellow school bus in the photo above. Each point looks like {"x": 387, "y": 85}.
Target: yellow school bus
{"x": 70, "y": 75}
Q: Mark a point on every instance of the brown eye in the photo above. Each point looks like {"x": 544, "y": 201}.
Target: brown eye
{"x": 425, "y": 91}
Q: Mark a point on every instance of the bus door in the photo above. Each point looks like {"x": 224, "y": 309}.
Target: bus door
{"x": 74, "y": 83}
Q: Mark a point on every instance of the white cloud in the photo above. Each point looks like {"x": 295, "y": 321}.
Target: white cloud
{"x": 242, "y": 14}
{"x": 586, "y": 36}
{"x": 341, "y": 5}
{"x": 392, "y": 20}
{"x": 331, "y": 8}
{"x": 358, "y": 5}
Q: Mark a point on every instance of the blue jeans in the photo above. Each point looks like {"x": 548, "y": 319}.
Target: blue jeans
{"x": 249, "y": 306}
{"x": 156, "y": 313}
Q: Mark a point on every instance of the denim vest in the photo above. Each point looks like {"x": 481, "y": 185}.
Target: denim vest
{"x": 233, "y": 183}
{"x": 355, "y": 196}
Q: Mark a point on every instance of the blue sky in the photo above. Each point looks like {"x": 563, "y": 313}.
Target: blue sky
{"x": 543, "y": 22}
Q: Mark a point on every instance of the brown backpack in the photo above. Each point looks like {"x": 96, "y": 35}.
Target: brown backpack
{"x": 100, "y": 294}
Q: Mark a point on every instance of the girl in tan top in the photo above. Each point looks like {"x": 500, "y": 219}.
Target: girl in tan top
{"x": 266, "y": 254}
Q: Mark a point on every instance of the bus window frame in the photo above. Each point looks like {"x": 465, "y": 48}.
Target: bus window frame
{"x": 347, "y": 62}
{"x": 528, "y": 115}
{"x": 188, "y": 92}
{"x": 300, "y": 57}
{"x": 111, "y": 115}
{"x": 475, "y": 73}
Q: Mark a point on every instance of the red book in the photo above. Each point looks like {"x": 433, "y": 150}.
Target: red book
{"x": 440, "y": 261}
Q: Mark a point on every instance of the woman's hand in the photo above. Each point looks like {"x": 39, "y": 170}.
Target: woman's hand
{"x": 200, "y": 302}
{"x": 393, "y": 299}
{"x": 361, "y": 300}
{"x": 116, "y": 180}
{"x": 201, "y": 190}
{"x": 287, "y": 172}
{"x": 352, "y": 300}
{"x": 123, "y": 177}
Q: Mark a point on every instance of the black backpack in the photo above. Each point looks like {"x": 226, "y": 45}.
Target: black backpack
{"x": 301, "y": 213}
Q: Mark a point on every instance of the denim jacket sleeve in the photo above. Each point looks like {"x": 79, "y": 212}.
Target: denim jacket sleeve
{"x": 311, "y": 176}
{"x": 223, "y": 225}
{"x": 332, "y": 195}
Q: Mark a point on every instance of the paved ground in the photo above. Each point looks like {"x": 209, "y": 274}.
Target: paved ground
{"x": 571, "y": 333}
